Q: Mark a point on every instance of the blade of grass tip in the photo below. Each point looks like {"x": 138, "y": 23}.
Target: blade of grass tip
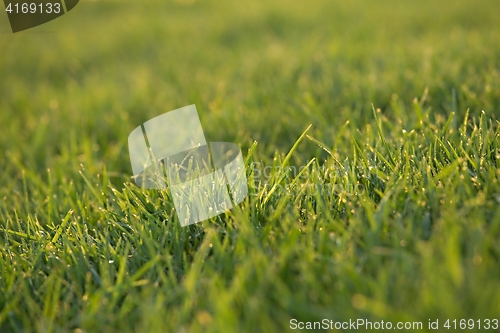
{"x": 382, "y": 158}
{"x": 62, "y": 226}
{"x": 25, "y": 188}
{"x": 483, "y": 131}
{"x": 323, "y": 146}
{"x": 295, "y": 145}
{"x": 425, "y": 94}
{"x": 471, "y": 161}
{"x": 104, "y": 182}
{"x": 20, "y": 234}
{"x": 92, "y": 189}
{"x": 306, "y": 167}
{"x": 249, "y": 163}
{"x": 445, "y": 172}
{"x": 50, "y": 206}
{"x": 463, "y": 130}
{"x": 341, "y": 132}
{"x": 250, "y": 153}
{"x": 360, "y": 152}
{"x": 448, "y": 154}
{"x": 285, "y": 161}
{"x": 447, "y": 124}
{"x": 381, "y": 134}
{"x": 418, "y": 110}
{"x": 455, "y": 154}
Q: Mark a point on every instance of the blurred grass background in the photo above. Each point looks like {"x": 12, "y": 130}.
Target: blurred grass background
{"x": 73, "y": 89}
{"x": 95, "y": 74}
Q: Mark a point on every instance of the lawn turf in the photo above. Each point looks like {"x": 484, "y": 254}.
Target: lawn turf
{"x": 390, "y": 110}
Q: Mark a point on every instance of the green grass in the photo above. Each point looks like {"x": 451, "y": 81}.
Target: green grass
{"x": 396, "y": 216}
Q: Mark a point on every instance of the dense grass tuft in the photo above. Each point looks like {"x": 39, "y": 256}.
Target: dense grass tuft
{"x": 371, "y": 141}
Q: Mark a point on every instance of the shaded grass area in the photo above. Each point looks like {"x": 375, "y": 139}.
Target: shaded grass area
{"x": 395, "y": 215}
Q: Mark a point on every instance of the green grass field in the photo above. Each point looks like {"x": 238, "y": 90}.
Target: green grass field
{"x": 395, "y": 217}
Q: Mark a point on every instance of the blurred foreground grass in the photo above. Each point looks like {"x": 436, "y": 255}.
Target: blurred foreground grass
{"x": 397, "y": 217}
